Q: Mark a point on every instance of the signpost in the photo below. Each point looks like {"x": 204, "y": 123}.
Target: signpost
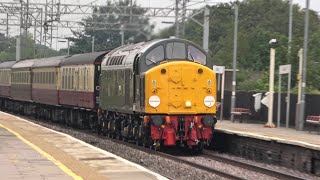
{"x": 284, "y": 69}
{"x": 220, "y": 71}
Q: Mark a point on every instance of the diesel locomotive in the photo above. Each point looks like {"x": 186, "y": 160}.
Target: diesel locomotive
{"x": 156, "y": 93}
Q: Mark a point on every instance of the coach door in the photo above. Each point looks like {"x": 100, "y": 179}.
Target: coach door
{"x": 136, "y": 82}
{"x": 97, "y": 72}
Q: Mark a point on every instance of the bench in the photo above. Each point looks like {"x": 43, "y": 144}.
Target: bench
{"x": 241, "y": 112}
{"x": 314, "y": 120}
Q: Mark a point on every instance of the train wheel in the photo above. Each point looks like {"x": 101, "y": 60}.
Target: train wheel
{"x": 145, "y": 142}
{"x": 199, "y": 148}
{"x": 118, "y": 136}
{"x": 108, "y": 135}
{"x": 138, "y": 142}
{"x": 155, "y": 145}
{"x": 124, "y": 139}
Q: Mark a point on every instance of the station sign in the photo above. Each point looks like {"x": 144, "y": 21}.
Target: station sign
{"x": 285, "y": 69}
{"x": 218, "y": 69}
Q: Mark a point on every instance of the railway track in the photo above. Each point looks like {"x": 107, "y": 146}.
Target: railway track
{"x": 171, "y": 157}
{"x": 146, "y": 150}
{"x": 251, "y": 167}
{"x": 206, "y": 154}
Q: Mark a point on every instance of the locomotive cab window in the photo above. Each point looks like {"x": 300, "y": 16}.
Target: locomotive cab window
{"x": 176, "y": 50}
{"x": 195, "y": 54}
{"x": 155, "y": 55}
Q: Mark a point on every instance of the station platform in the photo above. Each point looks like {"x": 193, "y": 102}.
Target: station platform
{"x": 30, "y": 151}
{"x": 279, "y": 134}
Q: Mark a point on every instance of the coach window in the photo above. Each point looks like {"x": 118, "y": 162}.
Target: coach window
{"x": 40, "y": 77}
{"x": 67, "y": 78}
{"x": 176, "y": 50}
{"x": 195, "y": 54}
{"x": 51, "y": 74}
{"x": 155, "y": 55}
{"x": 72, "y": 80}
{"x": 53, "y": 77}
{"x": 44, "y": 77}
{"x": 63, "y": 80}
{"x": 49, "y": 78}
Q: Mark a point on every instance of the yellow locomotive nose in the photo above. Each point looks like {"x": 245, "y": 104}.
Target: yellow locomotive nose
{"x": 180, "y": 87}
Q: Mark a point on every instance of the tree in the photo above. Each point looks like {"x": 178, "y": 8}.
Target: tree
{"x": 259, "y": 21}
{"x": 29, "y": 50}
{"x": 106, "y": 39}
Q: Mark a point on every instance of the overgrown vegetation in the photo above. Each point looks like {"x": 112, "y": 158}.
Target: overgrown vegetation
{"x": 259, "y": 21}
{"x": 29, "y": 50}
{"x": 108, "y": 34}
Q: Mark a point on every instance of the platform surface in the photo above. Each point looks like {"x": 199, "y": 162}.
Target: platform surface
{"x": 281, "y": 135}
{"x": 20, "y": 161}
{"x": 30, "y": 151}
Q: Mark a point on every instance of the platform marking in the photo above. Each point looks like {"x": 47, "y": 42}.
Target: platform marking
{"x": 158, "y": 176}
{"x": 43, "y": 153}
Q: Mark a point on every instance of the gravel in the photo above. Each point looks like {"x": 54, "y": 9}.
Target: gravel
{"x": 269, "y": 166}
{"x": 167, "y": 167}
{"x": 163, "y": 166}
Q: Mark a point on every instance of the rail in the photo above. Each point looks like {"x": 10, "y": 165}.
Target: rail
{"x": 244, "y": 165}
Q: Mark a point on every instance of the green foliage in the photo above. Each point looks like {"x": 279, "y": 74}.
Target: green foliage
{"x": 259, "y": 21}
{"x": 29, "y": 50}
{"x": 108, "y": 37}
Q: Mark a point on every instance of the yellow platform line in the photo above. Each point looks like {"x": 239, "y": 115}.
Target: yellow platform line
{"x": 48, "y": 156}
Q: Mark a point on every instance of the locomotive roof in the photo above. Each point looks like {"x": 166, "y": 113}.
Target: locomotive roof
{"x": 163, "y": 41}
{"x": 24, "y": 64}
{"x": 129, "y": 51}
{"x": 7, "y": 64}
{"x": 86, "y": 58}
{"x": 48, "y": 62}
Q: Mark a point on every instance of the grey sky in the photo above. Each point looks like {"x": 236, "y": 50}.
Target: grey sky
{"x": 314, "y": 5}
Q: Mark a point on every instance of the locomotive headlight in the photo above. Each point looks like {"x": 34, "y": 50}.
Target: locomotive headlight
{"x": 188, "y": 104}
{"x": 154, "y": 101}
{"x": 209, "y": 101}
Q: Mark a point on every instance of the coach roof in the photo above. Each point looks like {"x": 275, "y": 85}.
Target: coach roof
{"x": 7, "y": 64}
{"x": 48, "y": 62}
{"x": 86, "y": 58}
{"x": 24, "y": 64}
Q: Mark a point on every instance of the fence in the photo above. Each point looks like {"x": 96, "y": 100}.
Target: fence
{"x": 246, "y": 100}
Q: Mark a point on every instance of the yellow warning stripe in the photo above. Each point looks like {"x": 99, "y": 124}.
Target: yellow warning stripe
{"x": 48, "y": 156}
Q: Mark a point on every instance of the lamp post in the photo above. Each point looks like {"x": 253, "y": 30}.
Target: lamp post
{"x": 272, "y": 43}
{"x": 92, "y": 44}
{"x": 301, "y": 106}
{"x": 234, "y": 64}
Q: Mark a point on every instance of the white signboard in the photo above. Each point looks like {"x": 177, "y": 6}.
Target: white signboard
{"x": 218, "y": 69}
{"x": 257, "y": 101}
{"x": 285, "y": 69}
